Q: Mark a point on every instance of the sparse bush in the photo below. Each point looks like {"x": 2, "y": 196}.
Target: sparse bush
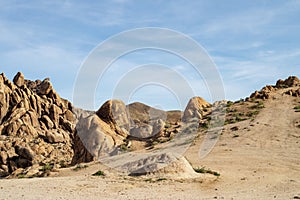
{"x": 204, "y": 125}
{"x": 259, "y": 105}
{"x": 202, "y": 170}
{"x": 21, "y": 176}
{"x": 229, "y": 103}
{"x": 161, "y": 179}
{"x": 47, "y": 167}
{"x": 297, "y": 108}
{"x": 251, "y": 114}
{"x": 124, "y": 148}
{"x": 239, "y": 119}
{"x": 168, "y": 126}
{"x": 99, "y": 173}
{"x": 79, "y": 167}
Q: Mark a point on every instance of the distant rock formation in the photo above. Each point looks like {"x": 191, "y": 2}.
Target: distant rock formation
{"x": 194, "y": 109}
{"x": 265, "y": 92}
{"x": 291, "y": 81}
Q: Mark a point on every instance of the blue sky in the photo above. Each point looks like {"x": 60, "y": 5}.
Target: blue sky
{"x": 252, "y": 43}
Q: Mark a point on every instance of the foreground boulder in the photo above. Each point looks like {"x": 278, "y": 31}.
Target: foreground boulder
{"x": 94, "y": 139}
{"x": 158, "y": 164}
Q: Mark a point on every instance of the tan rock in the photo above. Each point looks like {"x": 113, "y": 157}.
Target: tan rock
{"x": 142, "y": 131}
{"x": 3, "y": 157}
{"x": 54, "y": 114}
{"x": 114, "y": 113}
{"x": 289, "y": 82}
{"x": 54, "y": 137}
{"x": 95, "y": 139}
{"x": 44, "y": 88}
{"x": 194, "y": 109}
{"x": 19, "y": 79}
{"x": 158, "y": 127}
{"x": 48, "y": 122}
{"x": 25, "y": 152}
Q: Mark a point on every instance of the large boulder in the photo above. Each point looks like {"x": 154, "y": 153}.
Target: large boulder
{"x": 44, "y": 88}
{"x": 94, "y": 139}
{"x": 142, "y": 131}
{"x": 114, "y": 113}
{"x": 19, "y": 79}
{"x": 159, "y": 164}
{"x": 194, "y": 109}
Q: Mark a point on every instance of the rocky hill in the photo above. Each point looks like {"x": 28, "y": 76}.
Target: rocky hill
{"x": 41, "y": 132}
{"x": 37, "y": 127}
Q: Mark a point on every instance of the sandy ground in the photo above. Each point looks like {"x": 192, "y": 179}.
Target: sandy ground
{"x": 263, "y": 162}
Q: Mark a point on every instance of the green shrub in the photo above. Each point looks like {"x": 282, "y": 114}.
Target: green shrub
{"x": 229, "y": 103}
{"x": 47, "y": 167}
{"x": 259, "y": 105}
{"x": 99, "y": 173}
{"x": 161, "y": 179}
{"x": 202, "y": 170}
{"x": 21, "y": 176}
{"x": 297, "y": 108}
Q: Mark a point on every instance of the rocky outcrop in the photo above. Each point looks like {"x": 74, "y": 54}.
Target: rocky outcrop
{"x": 265, "y": 92}
{"x": 293, "y": 92}
{"x": 36, "y": 126}
{"x": 194, "y": 109}
{"x": 291, "y": 81}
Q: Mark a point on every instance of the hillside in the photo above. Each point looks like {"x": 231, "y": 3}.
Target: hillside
{"x": 256, "y": 155}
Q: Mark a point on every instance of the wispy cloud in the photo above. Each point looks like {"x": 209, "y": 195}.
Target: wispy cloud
{"x": 252, "y": 43}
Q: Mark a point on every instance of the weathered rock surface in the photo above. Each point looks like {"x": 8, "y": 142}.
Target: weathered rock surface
{"x": 266, "y": 91}
{"x": 291, "y": 81}
{"x": 95, "y": 139}
{"x": 194, "y": 109}
{"x": 165, "y": 164}
{"x": 114, "y": 113}
{"x": 30, "y": 127}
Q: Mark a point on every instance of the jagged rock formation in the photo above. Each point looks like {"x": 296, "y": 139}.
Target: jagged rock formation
{"x": 36, "y": 125}
{"x": 265, "y": 92}
{"x": 194, "y": 109}
{"x": 291, "y": 81}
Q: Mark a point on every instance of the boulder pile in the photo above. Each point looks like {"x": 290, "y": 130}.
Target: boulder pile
{"x": 36, "y": 127}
